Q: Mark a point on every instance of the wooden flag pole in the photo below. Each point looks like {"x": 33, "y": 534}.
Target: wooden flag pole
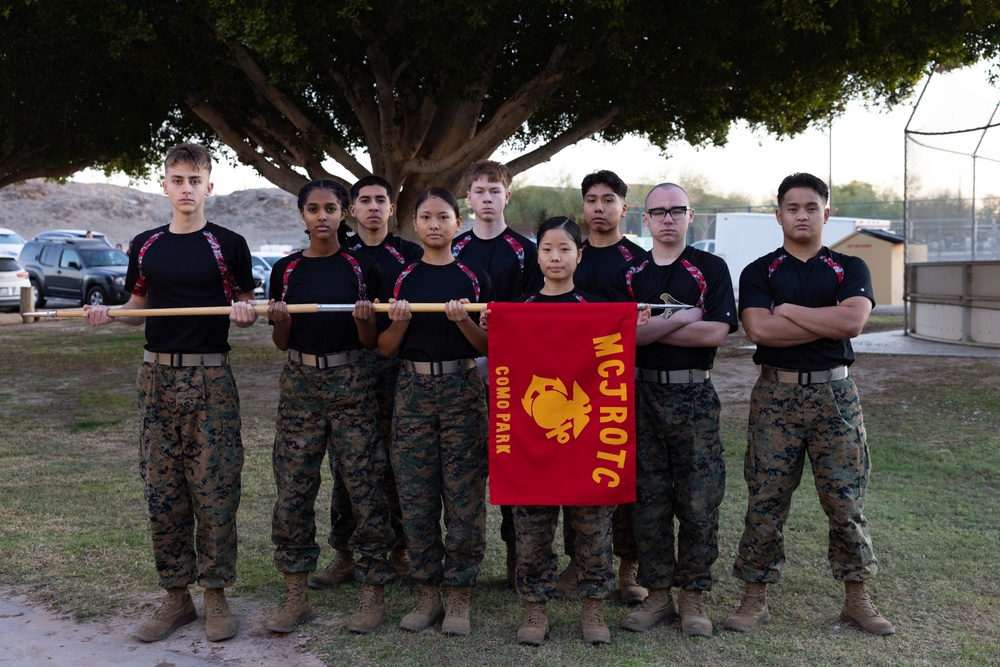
{"x": 292, "y": 308}
{"x": 260, "y": 309}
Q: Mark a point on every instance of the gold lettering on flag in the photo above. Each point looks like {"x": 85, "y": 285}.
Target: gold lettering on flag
{"x": 562, "y": 425}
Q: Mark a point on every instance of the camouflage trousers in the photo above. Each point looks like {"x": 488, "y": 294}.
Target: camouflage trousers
{"x": 623, "y": 540}
{"x": 787, "y": 423}
{"x": 190, "y": 459}
{"x": 680, "y": 473}
{"x": 321, "y": 411}
{"x": 439, "y": 457}
{"x": 537, "y": 564}
{"x": 342, "y": 524}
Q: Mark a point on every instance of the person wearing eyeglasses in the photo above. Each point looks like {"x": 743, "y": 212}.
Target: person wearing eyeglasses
{"x": 680, "y": 473}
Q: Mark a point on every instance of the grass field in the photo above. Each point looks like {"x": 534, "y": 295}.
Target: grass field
{"x": 73, "y": 530}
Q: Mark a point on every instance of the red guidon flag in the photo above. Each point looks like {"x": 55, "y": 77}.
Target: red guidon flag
{"x": 562, "y": 407}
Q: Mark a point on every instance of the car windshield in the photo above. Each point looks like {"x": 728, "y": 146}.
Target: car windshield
{"x": 109, "y": 257}
{"x": 10, "y": 238}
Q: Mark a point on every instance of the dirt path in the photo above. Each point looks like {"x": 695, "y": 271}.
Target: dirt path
{"x": 32, "y": 636}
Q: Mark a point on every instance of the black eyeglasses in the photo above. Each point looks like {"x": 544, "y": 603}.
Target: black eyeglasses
{"x": 660, "y": 214}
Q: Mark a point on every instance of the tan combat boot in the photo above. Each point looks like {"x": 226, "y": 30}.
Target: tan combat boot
{"x": 632, "y": 592}
{"x": 371, "y": 613}
{"x": 339, "y": 571}
{"x": 595, "y": 630}
{"x": 657, "y": 609}
{"x": 177, "y": 610}
{"x": 429, "y": 610}
{"x": 860, "y": 610}
{"x": 566, "y": 585}
{"x": 535, "y": 629}
{"x": 219, "y": 621}
{"x": 400, "y": 559}
{"x": 753, "y": 609}
{"x": 295, "y": 608}
{"x": 456, "y": 617}
{"x": 694, "y": 620}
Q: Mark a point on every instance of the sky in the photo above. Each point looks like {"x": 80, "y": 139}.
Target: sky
{"x": 864, "y": 144}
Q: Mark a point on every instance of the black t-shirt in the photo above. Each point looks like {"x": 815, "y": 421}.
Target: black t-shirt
{"x": 391, "y": 253}
{"x": 510, "y": 259}
{"x": 432, "y": 336}
{"x": 576, "y": 296}
{"x": 598, "y": 266}
{"x": 339, "y": 278}
{"x": 824, "y": 280}
{"x": 209, "y": 267}
{"x": 697, "y": 278}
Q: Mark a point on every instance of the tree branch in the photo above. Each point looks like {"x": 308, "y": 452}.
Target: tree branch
{"x": 287, "y": 108}
{"x": 574, "y": 134}
{"x": 8, "y": 178}
{"x": 285, "y": 178}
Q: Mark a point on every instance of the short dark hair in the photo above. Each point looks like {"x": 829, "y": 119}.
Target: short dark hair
{"x": 803, "y": 180}
{"x": 604, "y": 177}
{"x": 440, "y": 193}
{"x": 195, "y": 155}
{"x": 560, "y": 222}
{"x": 366, "y": 181}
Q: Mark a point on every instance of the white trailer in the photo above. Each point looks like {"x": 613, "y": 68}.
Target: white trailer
{"x": 740, "y": 238}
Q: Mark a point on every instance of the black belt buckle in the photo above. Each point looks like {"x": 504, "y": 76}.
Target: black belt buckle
{"x": 176, "y": 360}
{"x": 805, "y": 378}
{"x": 437, "y": 368}
{"x": 321, "y": 362}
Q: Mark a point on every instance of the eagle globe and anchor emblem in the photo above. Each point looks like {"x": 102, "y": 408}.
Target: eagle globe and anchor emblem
{"x": 553, "y": 408}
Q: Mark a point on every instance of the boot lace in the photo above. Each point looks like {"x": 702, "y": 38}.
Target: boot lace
{"x": 215, "y": 605}
{"x": 861, "y": 601}
{"x": 753, "y": 601}
{"x": 169, "y": 607}
{"x": 693, "y": 604}
{"x": 427, "y": 602}
{"x": 594, "y": 614}
{"x": 536, "y": 615}
{"x": 368, "y": 603}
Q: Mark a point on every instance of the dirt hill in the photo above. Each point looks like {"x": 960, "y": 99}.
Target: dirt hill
{"x": 264, "y": 216}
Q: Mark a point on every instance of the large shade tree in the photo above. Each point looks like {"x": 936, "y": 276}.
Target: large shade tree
{"x": 425, "y": 87}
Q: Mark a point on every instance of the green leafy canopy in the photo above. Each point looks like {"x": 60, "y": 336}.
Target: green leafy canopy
{"x": 425, "y": 87}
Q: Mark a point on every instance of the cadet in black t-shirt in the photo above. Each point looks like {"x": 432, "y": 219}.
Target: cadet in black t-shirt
{"x": 327, "y": 404}
{"x": 604, "y": 253}
{"x": 534, "y": 525}
{"x": 191, "y": 467}
{"x": 371, "y": 208}
{"x": 801, "y": 305}
{"x": 440, "y": 416}
{"x": 680, "y": 471}
{"x": 512, "y": 262}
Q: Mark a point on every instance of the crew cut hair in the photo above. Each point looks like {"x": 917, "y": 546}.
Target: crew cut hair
{"x": 803, "y": 180}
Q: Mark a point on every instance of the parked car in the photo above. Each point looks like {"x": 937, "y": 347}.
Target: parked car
{"x": 12, "y": 279}
{"x": 708, "y": 245}
{"x": 262, "y": 273}
{"x": 10, "y": 242}
{"x": 70, "y": 234}
{"x": 84, "y": 270}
